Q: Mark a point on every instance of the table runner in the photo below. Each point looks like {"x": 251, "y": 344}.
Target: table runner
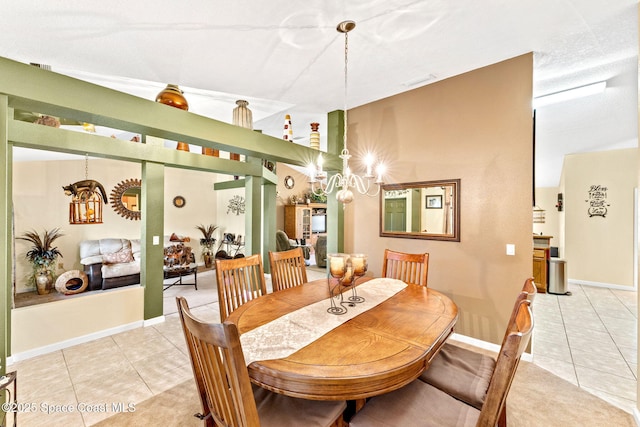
{"x": 289, "y": 333}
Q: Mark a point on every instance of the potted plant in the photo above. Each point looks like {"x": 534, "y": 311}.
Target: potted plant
{"x": 42, "y": 256}
{"x": 207, "y": 243}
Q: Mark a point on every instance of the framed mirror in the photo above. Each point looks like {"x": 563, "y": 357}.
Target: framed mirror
{"x": 421, "y": 210}
{"x": 125, "y": 198}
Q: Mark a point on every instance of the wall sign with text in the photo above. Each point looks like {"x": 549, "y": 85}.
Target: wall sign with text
{"x": 597, "y": 199}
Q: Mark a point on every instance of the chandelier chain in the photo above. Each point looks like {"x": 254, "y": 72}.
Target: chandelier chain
{"x": 346, "y": 61}
{"x": 86, "y": 166}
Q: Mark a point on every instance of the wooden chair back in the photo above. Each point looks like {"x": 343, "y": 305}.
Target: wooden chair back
{"x": 518, "y": 334}
{"x": 410, "y": 268}
{"x": 220, "y": 371}
{"x": 287, "y": 269}
{"x": 530, "y": 289}
{"x": 239, "y": 280}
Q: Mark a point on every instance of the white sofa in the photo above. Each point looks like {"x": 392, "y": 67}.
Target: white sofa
{"x": 111, "y": 263}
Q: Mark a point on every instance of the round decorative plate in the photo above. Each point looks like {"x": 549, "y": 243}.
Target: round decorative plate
{"x": 179, "y": 201}
{"x": 289, "y": 182}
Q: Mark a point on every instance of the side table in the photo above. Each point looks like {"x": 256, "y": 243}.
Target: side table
{"x": 179, "y": 272}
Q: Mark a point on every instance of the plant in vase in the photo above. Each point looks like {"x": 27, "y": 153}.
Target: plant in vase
{"x": 42, "y": 256}
{"x": 207, "y": 243}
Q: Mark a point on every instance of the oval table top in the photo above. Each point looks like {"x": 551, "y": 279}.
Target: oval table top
{"x": 379, "y": 350}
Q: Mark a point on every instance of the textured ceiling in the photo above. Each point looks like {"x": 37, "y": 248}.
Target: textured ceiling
{"x": 286, "y": 57}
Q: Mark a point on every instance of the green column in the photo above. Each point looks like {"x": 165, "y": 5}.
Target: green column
{"x": 269, "y": 222}
{"x": 151, "y": 274}
{"x": 253, "y": 214}
{"x": 6, "y": 236}
{"x": 335, "y": 211}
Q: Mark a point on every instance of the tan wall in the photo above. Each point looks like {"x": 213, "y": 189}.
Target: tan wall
{"x": 601, "y": 249}
{"x": 46, "y": 324}
{"x": 476, "y": 127}
{"x": 547, "y": 198}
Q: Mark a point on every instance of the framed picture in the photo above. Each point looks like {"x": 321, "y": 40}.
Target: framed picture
{"x": 433, "y": 202}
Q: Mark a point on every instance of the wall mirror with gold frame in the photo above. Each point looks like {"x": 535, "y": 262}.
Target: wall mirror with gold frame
{"x": 421, "y": 210}
{"x": 125, "y": 198}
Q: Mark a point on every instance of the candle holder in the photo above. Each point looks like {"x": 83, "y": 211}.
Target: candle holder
{"x": 338, "y": 275}
{"x": 359, "y": 266}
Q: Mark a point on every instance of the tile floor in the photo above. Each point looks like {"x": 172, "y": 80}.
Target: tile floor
{"x": 588, "y": 338}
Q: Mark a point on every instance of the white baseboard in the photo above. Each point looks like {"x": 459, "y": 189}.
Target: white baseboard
{"x": 485, "y": 345}
{"x": 636, "y": 416}
{"x": 73, "y": 341}
{"x": 154, "y": 321}
{"x": 603, "y": 285}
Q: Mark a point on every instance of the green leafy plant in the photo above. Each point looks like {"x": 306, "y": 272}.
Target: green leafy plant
{"x": 43, "y": 254}
{"x": 207, "y": 240}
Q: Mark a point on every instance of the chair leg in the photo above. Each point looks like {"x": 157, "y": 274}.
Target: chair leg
{"x": 502, "y": 419}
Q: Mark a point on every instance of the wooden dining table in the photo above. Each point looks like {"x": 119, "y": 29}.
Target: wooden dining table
{"x": 381, "y": 349}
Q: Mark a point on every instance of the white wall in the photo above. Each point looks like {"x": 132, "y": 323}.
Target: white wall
{"x": 599, "y": 249}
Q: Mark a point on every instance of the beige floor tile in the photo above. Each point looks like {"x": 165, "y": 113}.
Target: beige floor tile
{"x": 624, "y": 404}
{"x": 108, "y": 390}
{"x": 100, "y": 364}
{"x": 135, "y": 336}
{"x": 612, "y": 365}
{"x": 145, "y": 349}
{"x": 552, "y": 350}
{"x": 564, "y": 370}
{"x": 161, "y": 372}
{"x": 609, "y": 383}
{"x": 52, "y": 406}
{"x": 87, "y": 353}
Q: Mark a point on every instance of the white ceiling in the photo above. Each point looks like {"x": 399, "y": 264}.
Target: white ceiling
{"x": 285, "y": 57}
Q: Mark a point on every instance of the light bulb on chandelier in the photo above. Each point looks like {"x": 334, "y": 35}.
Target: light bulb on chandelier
{"x": 346, "y": 180}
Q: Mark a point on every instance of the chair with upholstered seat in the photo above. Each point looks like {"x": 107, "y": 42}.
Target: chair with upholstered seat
{"x": 464, "y": 373}
{"x": 239, "y": 280}
{"x": 410, "y": 268}
{"x": 287, "y": 269}
{"x": 420, "y": 403}
{"x": 227, "y": 396}
{"x": 284, "y": 243}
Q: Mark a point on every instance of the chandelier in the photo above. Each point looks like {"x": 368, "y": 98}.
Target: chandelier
{"x": 347, "y": 180}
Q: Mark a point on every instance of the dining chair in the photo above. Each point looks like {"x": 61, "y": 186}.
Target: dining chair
{"x": 239, "y": 280}
{"x": 410, "y": 268}
{"x": 227, "y": 396}
{"x": 464, "y": 373}
{"x": 420, "y": 403}
{"x": 287, "y": 269}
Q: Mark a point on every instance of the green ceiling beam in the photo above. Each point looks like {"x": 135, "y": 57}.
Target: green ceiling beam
{"x": 33, "y": 89}
{"x": 29, "y": 135}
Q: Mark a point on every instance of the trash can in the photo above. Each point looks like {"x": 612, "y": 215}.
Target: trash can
{"x": 558, "y": 277}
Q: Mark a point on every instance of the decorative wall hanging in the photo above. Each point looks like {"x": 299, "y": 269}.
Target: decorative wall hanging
{"x": 597, "y": 199}
{"x": 560, "y": 204}
{"x": 173, "y": 97}
{"x": 179, "y": 202}
{"x": 87, "y": 197}
{"x": 125, "y": 198}
{"x": 236, "y": 205}
{"x": 289, "y": 182}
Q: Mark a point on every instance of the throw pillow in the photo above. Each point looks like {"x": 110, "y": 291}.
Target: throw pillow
{"x": 122, "y": 256}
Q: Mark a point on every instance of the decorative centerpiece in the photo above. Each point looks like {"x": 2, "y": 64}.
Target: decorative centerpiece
{"x": 42, "y": 256}
{"x": 342, "y": 272}
{"x": 207, "y": 243}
